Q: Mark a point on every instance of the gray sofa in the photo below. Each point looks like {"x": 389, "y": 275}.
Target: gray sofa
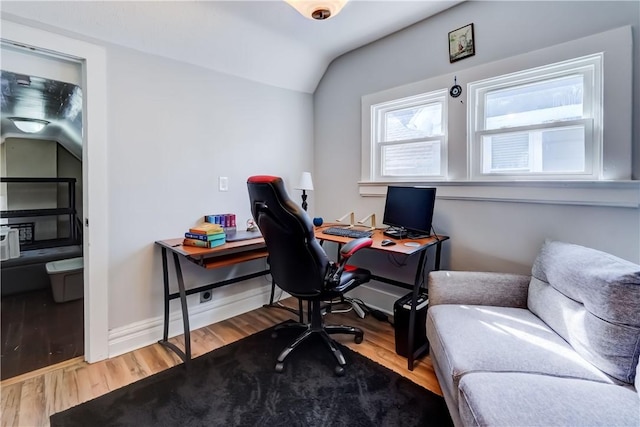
{"x": 559, "y": 347}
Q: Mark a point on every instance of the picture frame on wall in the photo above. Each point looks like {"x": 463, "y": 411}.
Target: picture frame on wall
{"x": 461, "y": 43}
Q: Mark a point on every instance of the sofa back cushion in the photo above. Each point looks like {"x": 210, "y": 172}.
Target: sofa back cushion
{"x": 592, "y": 300}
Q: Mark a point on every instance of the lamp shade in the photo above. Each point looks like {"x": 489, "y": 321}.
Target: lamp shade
{"x": 317, "y": 9}
{"x": 305, "y": 181}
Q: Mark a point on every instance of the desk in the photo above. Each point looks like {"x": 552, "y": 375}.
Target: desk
{"x": 400, "y": 249}
{"x": 228, "y": 254}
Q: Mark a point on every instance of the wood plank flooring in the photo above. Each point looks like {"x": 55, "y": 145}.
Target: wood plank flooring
{"x": 29, "y": 399}
{"x": 36, "y": 332}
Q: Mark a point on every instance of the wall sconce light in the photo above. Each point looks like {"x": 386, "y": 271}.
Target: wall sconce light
{"x": 305, "y": 184}
{"x": 317, "y": 9}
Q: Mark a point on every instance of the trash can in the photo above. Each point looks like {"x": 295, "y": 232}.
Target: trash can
{"x": 401, "y": 312}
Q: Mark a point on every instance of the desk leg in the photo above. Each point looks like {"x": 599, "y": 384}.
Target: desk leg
{"x": 411, "y": 353}
{"x": 165, "y": 278}
{"x": 438, "y": 253}
{"x": 185, "y": 311}
{"x": 186, "y": 354}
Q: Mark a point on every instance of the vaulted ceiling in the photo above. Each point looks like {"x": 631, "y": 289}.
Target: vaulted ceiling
{"x": 266, "y": 41}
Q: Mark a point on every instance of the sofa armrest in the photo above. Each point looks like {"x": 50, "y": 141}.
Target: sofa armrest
{"x": 478, "y": 288}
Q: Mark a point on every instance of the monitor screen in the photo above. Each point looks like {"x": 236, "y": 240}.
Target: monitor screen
{"x": 410, "y": 208}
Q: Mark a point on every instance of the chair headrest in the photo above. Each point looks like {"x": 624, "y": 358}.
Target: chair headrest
{"x": 263, "y": 179}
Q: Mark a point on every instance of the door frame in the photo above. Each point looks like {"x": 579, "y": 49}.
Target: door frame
{"x": 92, "y": 59}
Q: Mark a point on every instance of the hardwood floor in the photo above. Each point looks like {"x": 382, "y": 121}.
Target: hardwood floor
{"x": 37, "y": 332}
{"x": 29, "y": 400}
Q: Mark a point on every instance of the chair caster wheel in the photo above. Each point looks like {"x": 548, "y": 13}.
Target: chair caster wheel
{"x": 339, "y": 371}
{"x": 358, "y": 339}
{"x": 279, "y": 367}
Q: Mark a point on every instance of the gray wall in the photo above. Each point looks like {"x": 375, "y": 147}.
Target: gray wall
{"x": 174, "y": 129}
{"x": 485, "y": 235}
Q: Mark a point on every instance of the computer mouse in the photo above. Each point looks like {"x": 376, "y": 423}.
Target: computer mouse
{"x": 387, "y": 242}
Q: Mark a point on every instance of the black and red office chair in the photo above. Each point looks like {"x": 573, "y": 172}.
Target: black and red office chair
{"x": 300, "y": 266}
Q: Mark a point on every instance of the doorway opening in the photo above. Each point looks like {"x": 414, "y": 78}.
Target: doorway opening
{"x": 41, "y": 175}
{"x": 92, "y": 61}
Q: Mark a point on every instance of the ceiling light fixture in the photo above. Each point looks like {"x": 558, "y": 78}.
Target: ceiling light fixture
{"x": 317, "y": 9}
{"x": 23, "y": 80}
{"x": 27, "y": 125}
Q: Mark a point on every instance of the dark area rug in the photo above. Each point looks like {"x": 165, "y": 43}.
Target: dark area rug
{"x": 236, "y": 385}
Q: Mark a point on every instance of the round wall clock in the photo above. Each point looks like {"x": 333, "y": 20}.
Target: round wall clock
{"x": 455, "y": 90}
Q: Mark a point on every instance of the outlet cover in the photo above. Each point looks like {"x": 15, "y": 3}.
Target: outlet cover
{"x": 205, "y": 296}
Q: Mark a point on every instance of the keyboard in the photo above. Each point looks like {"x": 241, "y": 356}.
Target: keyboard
{"x": 347, "y": 232}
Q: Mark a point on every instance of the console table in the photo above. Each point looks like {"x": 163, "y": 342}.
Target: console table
{"x": 228, "y": 254}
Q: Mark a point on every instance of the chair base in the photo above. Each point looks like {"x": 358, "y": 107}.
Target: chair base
{"x": 317, "y": 326}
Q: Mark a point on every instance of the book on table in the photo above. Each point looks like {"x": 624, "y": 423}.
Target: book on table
{"x": 207, "y": 228}
{"x": 202, "y": 243}
{"x": 205, "y": 237}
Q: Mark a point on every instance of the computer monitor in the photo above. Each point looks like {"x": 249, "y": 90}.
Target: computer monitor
{"x": 409, "y": 211}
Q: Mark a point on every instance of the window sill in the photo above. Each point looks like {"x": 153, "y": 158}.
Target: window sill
{"x": 622, "y": 194}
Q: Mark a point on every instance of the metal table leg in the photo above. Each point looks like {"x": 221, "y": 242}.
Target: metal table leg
{"x": 186, "y": 354}
{"x": 411, "y": 352}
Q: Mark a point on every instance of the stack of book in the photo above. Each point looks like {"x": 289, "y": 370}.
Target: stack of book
{"x": 205, "y": 235}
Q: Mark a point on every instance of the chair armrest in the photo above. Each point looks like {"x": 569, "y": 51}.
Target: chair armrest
{"x": 347, "y": 250}
{"x": 354, "y": 246}
{"x": 478, "y": 288}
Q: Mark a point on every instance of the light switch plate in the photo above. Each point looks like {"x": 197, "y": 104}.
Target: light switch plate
{"x": 223, "y": 183}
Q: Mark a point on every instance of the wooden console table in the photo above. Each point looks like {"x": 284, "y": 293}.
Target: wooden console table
{"x": 228, "y": 254}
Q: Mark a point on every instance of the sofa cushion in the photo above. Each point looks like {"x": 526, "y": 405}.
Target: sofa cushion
{"x": 520, "y": 399}
{"x": 468, "y": 338}
{"x": 592, "y": 300}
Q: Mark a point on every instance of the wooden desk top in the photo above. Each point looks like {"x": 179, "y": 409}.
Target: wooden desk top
{"x": 378, "y": 237}
{"x": 244, "y": 250}
{"x": 227, "y": 254}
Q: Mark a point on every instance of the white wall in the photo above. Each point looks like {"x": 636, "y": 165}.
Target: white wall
{"x": 490, "y": 235}
{"x": 174, "y": 129}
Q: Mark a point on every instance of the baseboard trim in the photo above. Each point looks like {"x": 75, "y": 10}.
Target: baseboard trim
{"x": 146, "y": 332}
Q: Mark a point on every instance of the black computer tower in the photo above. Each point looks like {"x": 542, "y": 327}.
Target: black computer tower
{"x": 401, "y": 312}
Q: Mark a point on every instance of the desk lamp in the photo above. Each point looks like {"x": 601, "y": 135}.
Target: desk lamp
{"x": 305, "y": 184}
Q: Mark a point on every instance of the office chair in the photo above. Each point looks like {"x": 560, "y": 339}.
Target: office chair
{"x": 300, "y": 266}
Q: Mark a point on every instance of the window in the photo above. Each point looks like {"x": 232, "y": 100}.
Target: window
{"x": 540, "y": 123}
{"x": 409, "y": 138}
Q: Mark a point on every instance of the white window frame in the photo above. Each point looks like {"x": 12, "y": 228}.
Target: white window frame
{"x": 377, "y": 132}
{"x": 590, "y": 67}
